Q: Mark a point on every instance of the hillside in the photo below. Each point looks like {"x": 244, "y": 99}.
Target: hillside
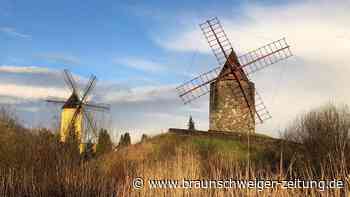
{"x": 177, "y": 154}
{"x": 33, "y": 162}
{"x": 44, "y": 168}
{"x": 234, "y": 145}
{"x": 201, "y": 146}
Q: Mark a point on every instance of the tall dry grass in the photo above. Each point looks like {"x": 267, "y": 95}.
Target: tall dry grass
{"x": 34, "y": 163}
{"x": 187, "y": 163}
{"x": 112, "y": 175}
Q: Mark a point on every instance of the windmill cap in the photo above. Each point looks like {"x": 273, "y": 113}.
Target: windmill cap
{"x": 72, "y": 101}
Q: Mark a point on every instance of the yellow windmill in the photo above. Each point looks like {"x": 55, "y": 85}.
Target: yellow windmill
{"x": 76, "y": 112}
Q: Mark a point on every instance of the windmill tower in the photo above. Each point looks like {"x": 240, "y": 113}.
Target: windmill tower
{"x": 76, "y": 112}
{"x": 235, "y": 104}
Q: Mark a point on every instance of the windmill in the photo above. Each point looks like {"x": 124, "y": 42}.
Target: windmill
{"x": 235, "y": 104}
{"x": 76, "y": 111}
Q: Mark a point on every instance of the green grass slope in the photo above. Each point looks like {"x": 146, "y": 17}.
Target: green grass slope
{"x": 262, "y": 149}
{"x": 232, "y": 146}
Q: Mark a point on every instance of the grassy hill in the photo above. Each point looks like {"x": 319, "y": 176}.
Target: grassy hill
{"x": 33, "y": 162}
{"x": 178, "y": 155}
{"x": 233, "y": 146}
{"x": 41, "y": 167}
{"x": 192, "y": 156}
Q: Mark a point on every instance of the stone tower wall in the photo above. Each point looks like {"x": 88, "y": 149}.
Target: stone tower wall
{"x": 228, "y": 111}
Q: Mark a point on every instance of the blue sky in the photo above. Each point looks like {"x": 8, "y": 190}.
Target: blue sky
{"x": 140, "y": 51}
{"x": 90, "y": 36}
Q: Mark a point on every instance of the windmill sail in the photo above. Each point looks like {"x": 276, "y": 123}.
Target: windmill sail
{"x": 217, "y": 39}
{"x": 250, "y": 62}
{"x": 264, "y": 56}
{"x": 79, "y": 107}
{"x": 239, "y": 68}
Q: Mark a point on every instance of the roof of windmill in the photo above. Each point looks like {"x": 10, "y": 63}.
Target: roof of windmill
{"x": 226, "y": 70}
{"x": 72, "y": 101}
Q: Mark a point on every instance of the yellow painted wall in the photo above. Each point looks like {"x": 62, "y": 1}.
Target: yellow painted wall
{"x": 66, "y": 118}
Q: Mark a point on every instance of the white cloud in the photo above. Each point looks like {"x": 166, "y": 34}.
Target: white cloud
{"x": 314, "y": 30}
{"x": 30, "y": 83}
{"x": 142, "y": 64}
{"x": 141, "y": 94}
{"x": 141, "y": 109}
{"x": 25, "y": 69}
{"x": 12, "y": 32}
{"x": 30, "y": 109}
{"x": 58, "y": 57}
{"x": 31, "y": 92}
{"x": 8, "y": 100}
{"x": 189, "y": 40}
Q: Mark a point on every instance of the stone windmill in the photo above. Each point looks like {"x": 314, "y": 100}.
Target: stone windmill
{"x": 76, "y": 111}
{"x": 235, "y": 104}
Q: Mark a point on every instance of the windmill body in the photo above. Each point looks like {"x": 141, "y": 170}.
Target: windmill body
{"x": 228, "y": 111}
{"x": 67, "y": 114}
{"x": 234, "y": 103}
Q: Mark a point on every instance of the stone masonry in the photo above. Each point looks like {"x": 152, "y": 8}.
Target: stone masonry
{"x": 228, "y": 110}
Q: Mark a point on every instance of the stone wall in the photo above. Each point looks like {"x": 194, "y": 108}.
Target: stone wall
{"x": 228, "y": 110}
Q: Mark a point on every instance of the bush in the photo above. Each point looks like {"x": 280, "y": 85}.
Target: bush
{"x": 33, "y": 162}
{"x": 104, "y": 144}
{"x": 125, "y": 140}
{"x": 323, "y": 135}
{"x": 144, "y": 138}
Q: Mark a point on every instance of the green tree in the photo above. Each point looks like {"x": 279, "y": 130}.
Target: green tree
{"x": 125, "y": 140}
{"x": 88, "y": 151}
{"x": 104, "y": 143}
{"x": 191, "y": 125}
{"x": 144, "y": 137}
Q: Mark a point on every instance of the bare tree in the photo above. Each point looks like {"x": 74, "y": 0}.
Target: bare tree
{"x": 323, "y": 134}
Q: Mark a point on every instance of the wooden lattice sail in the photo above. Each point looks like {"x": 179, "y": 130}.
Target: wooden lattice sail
{"x": 230, "y": 79}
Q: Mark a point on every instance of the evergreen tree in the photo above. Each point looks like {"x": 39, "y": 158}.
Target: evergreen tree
{"x": 125, "y": 139}
{"x": 144, "y": 138}
{"x": 88, "y": 151}
{"x": 104, "y": 143}
{"x": 191, "y": 125}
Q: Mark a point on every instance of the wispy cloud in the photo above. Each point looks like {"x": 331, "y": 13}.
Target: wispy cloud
{"x": 59, "y": 57}
{"x": 32, "y": 83}
{"x": 308, "y": 31}
{"x": 141, "y": 94}
{"x": 28, "y": 83}
{"x": 189, "y": 40}
{"x": 13, "y": 32}
{"x": 151, "y": 108}
{"x": 31, "y": 92}
{"x": 141, "y": 64}
{"x": 24, "y": 69}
